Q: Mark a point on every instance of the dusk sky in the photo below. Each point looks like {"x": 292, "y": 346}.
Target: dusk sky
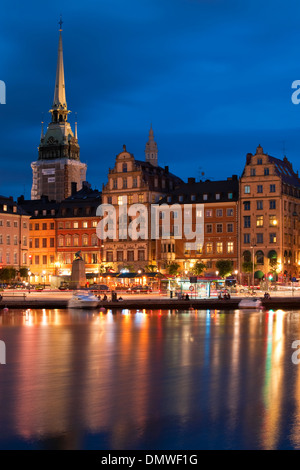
{"x": 213, "y": 77}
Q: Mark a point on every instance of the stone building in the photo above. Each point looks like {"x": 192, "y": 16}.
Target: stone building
{"x": 199, "y": 222}
{"x": 269, "y": 216}
{"x": 14, "y": 234}
{"x": 132, "y": 185}
{"x": 58, "y": 163}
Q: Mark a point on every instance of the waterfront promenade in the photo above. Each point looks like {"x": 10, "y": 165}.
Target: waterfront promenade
{"x": 57, "y": 299}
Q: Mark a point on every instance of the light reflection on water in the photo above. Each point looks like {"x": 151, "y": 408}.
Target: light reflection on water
{"x": 149, "y": 380}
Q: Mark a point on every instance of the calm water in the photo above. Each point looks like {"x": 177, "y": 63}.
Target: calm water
{"x": 151, "y": 380}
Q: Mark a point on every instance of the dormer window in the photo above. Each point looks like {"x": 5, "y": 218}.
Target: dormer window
{"x": 180, "y": 199}
{"x": 204, "y": 197}
{"x": 193, "y": 197}
{"x": 124, "y": 167}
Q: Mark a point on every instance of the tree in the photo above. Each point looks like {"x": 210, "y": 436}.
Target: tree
{"x": 198, "y": 268}
{"x": 23, "y": 272}
{"x": 151, "y": 268}
{"x": 224, "y": 266}
{"x": 273, "y": 267}
{"x": 8, "y": 274}
{"x": 247, "y": 268}
{"x": 173, "y": 267}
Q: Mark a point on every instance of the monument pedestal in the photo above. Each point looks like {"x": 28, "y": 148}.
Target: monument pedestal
{"x": 78, "y": 278}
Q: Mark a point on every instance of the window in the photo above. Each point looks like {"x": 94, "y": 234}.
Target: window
{"x": 51, "y": 242}
{"x": 199, "y": 247}
{"x": 259, "y": 221}
{"x": 15, "y": 258}
{"x": 115, "y": 183}
{"x": 94, "y": 240}
{"x": 187, "y": 248}
{"x": 76, "y": 240}
{"x": 273, "y": 238}
{"x": 259, "y": 188}
{"x": 141, "y": 198}
{"x": 4, "y": 207}
{"x": 85, "y": 240}
{"x": 44, "y": 226}
{"x": 75, "y": 224}
{"x": 229, "y": 212}
{"x": 259, "y": 257}
{"x": 37, "y": 259}
{"x": 130, "y": 199}
{"x": 259, "y": 205}
{"x": 204, "y": 197}
{"x": 94, "y": 258}
{"x": 52, "y": 226}
{"x": 272, "y": 188}
{"x": 209, "y": 248}
{"x": 247, "y": 206}
{"x": 219, "y": 247}
{"x": 218, "y": 196}
{"x": 141, "y": 255}
{"x": 44, "y": 241}
{"x": 134, "y": 182}
{"x": 36, "y": 243}
{"x": 219, "y": 213}
{"x": 119, "y": 255}
{"x": 219, "y": 228}
{"x": 208, "y": 228}
{"x": 109, "y": 200}
{"x": 252, "y": 172}
{"x": 130, "y": 255}
{"x": 120, "y": 200}
{"x": 230, "y": 228}
{"x": 230, "y": 195}
{"x": 247, "y": 221}
{"x": 85, "y": 224}
{"x": 68, "y": 240}
{"x": 15, "y": 239}
{"x": 94, "y": 223}
{"x": 209, "y": 213}
{"x": 272, "y": 204}
{"x": 272, "y": 220}
{"x": 259, "y": 238}
{"x": 246, "y": 238}
{"x": 247, "y": 189}
{"x": 124, "y": 167}
{"x": 193, "y": 197}
{"x": 259, "y": 161}
{"x": 44, "y": 259}
{"x": 24, "y": 240}
{"x": 266, "y": 171}
{"x": 124, "y": 183}
{"x": 15, "y": 224}
{"x": 229, "y": 247}
{"x": 68, "y": 224}
{"x": 36, "y": 226}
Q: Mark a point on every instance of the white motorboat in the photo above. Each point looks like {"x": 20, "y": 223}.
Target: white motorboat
{"x": 83, "y": 299}
{"x": 250, "y": 303}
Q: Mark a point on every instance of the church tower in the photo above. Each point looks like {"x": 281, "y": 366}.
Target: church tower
{"x": 151, "y": 149}
{"x": 58, "y": 164}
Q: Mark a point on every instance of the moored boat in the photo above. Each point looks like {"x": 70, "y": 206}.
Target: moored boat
{"x": 250, "y": 303}
{"x": 83, "y": 300}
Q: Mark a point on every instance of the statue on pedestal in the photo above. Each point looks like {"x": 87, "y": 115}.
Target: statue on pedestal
{"x": 78, "y": 277}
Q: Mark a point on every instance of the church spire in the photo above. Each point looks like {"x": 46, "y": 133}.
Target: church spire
{"x": 59, "y": 109}
{"x": 151, "y": 149}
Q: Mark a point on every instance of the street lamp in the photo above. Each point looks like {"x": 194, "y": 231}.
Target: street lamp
{"x": 44, "y": 276}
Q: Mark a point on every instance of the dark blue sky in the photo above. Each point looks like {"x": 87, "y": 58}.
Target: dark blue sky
{"x": 212, "y": 76}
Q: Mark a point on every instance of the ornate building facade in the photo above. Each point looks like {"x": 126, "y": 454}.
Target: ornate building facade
{"x": 269, "y": 216}
{"x": 132, "y": 183}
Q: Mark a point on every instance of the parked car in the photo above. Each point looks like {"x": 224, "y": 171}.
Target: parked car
{"x": 99, "y": 288}
{"x": 138, "y": 289}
